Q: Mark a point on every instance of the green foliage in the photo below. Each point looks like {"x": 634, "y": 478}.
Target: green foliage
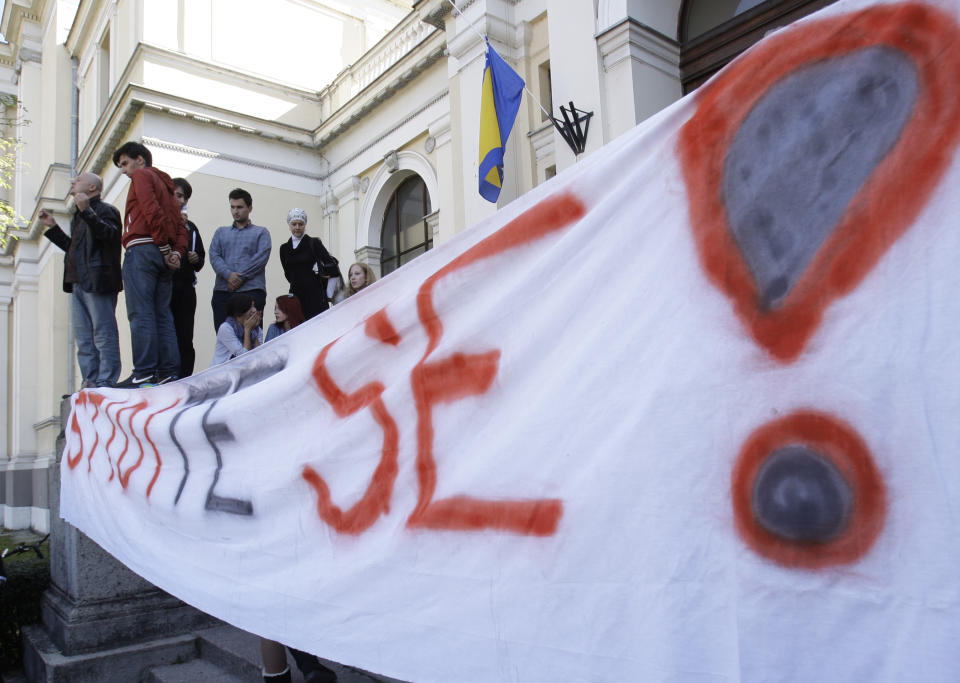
{"x": 27, "y": 577}
{"x": 9, "y": 147}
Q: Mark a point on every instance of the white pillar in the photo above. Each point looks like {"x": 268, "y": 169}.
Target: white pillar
{"x": 346, "y": 207}
{"x": 443, "y": 206}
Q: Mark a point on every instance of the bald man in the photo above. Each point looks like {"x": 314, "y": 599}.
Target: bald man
{"x": 91, "y": 273}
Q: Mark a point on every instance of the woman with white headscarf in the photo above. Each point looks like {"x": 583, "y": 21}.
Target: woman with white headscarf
{"x": 307, "y": 265}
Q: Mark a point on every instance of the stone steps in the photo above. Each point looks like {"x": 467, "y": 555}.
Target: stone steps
{"x": 228, "y": 655}
{"x": 192, "y": 672}
{"x": 43, "y": 663}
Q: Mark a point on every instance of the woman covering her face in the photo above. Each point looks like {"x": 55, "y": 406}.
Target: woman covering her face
{"x": 307, "y": 265}
{"x": 288, "y": 315}
{"x": 359, "y": 276}
{"x": 240, "y": 332}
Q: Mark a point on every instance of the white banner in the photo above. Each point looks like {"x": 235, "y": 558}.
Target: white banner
{"x": 687, "y": 412}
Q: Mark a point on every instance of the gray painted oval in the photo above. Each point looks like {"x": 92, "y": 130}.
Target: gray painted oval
{"x": 804, "y": 151}
{"x": 801, "y": 496}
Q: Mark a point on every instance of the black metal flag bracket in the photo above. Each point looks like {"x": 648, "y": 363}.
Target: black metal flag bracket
{"x": 573, "y": 127}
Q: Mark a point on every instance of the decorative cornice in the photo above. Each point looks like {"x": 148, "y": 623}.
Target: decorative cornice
{"x": 16, "y": 13}
{"x": 433, "y": 222}
{"x": 370, "y": 256}
{"x": 400, "y": 124}
{"x": 207, "y": 154}
{"x": 441, "y": 130}
{"x": 348, "y": 190}
{"x": 26, "y": 54}
{"x": 435, "y": 12}
{"x": 630, "y": 39}
{"x": 110, "y": 131}
{"x": 52, "y": 421}
{"x": 302, "y": 139}
{"x": 128, "y": 98}
{"x": 402, "y": 67}
{"x": 26, "y": 283}
{"x": 51, "y": 169}
{"x": 542, "y": 140}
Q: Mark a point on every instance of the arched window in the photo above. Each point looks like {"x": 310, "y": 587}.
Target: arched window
{"x": 713, "y": 32}
{"x": 405, "y": 233}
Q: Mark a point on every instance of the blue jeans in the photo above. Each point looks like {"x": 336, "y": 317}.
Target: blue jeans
{"x": 95, "y": 329}
{"x": 147, "y": 283}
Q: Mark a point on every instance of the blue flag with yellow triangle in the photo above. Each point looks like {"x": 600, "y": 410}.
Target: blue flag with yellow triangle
{"x": 499, "y": 104}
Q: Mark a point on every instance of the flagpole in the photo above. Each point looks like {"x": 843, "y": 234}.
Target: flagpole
{"x": 484, "y": 39}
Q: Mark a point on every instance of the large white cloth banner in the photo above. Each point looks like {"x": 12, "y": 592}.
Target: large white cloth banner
{"x": 689, "y": 411}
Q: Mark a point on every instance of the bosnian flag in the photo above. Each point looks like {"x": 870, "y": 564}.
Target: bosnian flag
{"x": 499, "y": 104}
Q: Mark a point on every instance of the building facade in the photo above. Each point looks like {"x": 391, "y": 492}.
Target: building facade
{"x": 363, "y": 113}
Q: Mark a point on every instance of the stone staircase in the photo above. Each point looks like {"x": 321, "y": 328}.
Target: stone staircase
{"x": 224, "y": 654}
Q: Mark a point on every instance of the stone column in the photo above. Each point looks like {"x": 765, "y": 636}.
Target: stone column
{"x": 23, "y": 385}
{"x": 6, "y": 300}
{"x": 641, "y": 74}
{"x": 346, "y": 200}
{"x": 370, "y": 256}
{"x": 6, "y": 449}
{"x": 100, "y": 620}
{"x": 442, "y": 135}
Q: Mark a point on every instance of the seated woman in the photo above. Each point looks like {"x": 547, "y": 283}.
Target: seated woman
{"x": 359, "y": 276}
{"x": 288, "y": 315}
{"x": 240, "y": 332}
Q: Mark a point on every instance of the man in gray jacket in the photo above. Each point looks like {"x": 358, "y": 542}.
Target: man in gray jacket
{"x": 91, "y": 271}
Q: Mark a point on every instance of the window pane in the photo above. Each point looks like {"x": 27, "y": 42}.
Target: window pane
{"x": 707, "y": 14}
{"x": 405, "y": 234}
{"x": 410, "y": 255}
{"x": 388, "y": 235}
{"x": 410, "y": 202}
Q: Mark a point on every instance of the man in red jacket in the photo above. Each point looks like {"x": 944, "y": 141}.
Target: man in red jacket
{"x": 155, "y": 240}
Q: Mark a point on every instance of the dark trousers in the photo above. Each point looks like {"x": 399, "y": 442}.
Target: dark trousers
{"x": 219, "y": 304}
{"x": 183, "y": 305}
{"x": 309, "y": 664}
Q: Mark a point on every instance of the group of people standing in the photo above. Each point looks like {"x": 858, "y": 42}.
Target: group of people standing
{"x": 239, "y": 255}
{"x": 158, "y": 275}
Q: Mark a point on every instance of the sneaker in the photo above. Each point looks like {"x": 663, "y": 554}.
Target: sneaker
{"x": 282, "y": 677}
{"x": 136, "y": 382}
{"x": 168, "y": 379}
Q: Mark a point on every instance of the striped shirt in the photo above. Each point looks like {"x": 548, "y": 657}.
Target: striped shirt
{"x": 240, "y": 250}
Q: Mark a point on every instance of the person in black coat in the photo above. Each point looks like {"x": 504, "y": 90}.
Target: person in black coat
{"x": 307, "y": 265}
{"x": 91, "y": 273}
{"x": 183, "y": 298}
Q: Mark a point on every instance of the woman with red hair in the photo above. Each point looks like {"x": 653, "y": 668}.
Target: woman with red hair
{"x": 288, "y": 314}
